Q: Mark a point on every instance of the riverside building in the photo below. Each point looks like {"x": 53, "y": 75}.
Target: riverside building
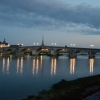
{"x": 4, "y": 44}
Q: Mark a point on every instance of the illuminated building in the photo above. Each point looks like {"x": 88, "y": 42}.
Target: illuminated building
{"x": 4, "y": 44}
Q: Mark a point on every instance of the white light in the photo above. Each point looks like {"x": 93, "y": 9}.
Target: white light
{"x": 72, "y": 44}
{"x": 55, "y": 43}
{"x": 52, "y": 43}
{"x": 22, "y": 44}
{"x": 37, "y": 43}
{"x": 18, "y": 44}
{"x": 91, "y": 45}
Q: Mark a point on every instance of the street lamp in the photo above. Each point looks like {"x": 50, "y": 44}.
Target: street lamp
{"x": 92, "y": 45}
{"x": 54, "y": 44}
{"x": 72, "y": 44}
{"x": 37, "y": 43}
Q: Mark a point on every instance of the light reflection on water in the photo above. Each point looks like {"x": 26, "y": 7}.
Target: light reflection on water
{"x": 53, "y": 66}
{"x": 72, "y": 65}
{"x": 5, "y": 65}
{"x": 20, "y": 65}
{"x": 91, "y": 65}
{"x": 37, "y": 64}
{"x": 22, "y": 71}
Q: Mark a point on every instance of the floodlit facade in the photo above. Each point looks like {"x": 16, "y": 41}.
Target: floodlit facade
{"x": 4, "y": 44}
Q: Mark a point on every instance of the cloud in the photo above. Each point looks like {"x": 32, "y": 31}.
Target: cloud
{"x": 51, "y": 14}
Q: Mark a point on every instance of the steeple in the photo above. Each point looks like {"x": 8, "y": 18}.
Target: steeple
{"x": 42, "y": 41}
{"x": 4, "y": 41}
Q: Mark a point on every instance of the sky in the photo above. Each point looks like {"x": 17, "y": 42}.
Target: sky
{"x": 63, "y": 22}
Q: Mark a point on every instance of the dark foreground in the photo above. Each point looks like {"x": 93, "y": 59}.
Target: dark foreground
{"x": 70, "y": 90}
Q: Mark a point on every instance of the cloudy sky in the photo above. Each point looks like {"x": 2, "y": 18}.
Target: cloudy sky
{"x": 64, "y": 22}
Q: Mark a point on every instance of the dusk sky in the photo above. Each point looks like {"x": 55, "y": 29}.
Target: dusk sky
{"x": 64, "y": 22}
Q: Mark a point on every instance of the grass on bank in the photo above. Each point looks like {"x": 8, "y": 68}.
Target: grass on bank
{"x": 70, "y": 90}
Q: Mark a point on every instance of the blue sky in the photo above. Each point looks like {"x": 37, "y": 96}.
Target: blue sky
{"x": 65, "y": 22}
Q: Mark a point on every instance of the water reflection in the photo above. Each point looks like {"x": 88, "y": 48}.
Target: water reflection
{"x": 8, "y": 64}
{"x": 91, "y": 65}
{"x": 53, "y": 66}
{"x": 37, "y": 63}
{"x": 10, "y": 58}
{"x": 72, "y": 65}
{"x": 5, "y": 65}
{"x": 20, "y": 65}
{"x": 3, "y": 68}
{"x": 40, "y": 60}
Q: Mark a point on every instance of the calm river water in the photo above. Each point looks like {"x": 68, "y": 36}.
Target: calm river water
{"x": 23, "y": 76}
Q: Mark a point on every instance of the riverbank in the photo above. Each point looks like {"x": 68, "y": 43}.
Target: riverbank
{"x": 71, "y": 90}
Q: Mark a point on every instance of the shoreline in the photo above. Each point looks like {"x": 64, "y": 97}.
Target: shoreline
{"x": 77, "y": 89}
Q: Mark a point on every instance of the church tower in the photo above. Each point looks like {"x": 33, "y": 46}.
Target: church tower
{"x": 42, "y": 42}
{"x": 4, "y": 41}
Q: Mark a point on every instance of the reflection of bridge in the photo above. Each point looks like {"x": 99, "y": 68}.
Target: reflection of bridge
{"x": 37, "y": 65}
{"x": 48, "y": 50}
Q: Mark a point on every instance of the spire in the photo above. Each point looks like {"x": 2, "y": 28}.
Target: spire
{"x": 42, "y": 41}
{"x": 4, "y": 41}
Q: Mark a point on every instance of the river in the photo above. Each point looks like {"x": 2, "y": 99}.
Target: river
{"x": 23, "y": 76}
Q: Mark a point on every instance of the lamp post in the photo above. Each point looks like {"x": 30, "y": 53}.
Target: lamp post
{"x": 22, "y": 44}
{"x": 34, "y": 43}
{"x": 92, "y": 45}
{"x": 73, "y": 45}
{"x": 37, "y": 43}
{"x": 53, "y": 44}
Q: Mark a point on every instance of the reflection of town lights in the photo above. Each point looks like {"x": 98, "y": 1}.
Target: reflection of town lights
{"x": 91, "y": 65}
{"x": 17, "y": 65}
{"x": 33, "y": 69}
{"x": 20, "y": 65}
{"x": 72, "y": 66}
{"x": 53, "y": 66}
{"x": 3, "y": 69}
{"x": 8, "y": 64}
